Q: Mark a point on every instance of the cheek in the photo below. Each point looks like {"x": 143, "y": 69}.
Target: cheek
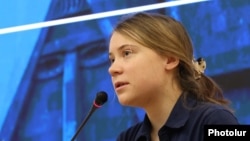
{"x": 148, "y": 79}
{"x": 146, "y": 74}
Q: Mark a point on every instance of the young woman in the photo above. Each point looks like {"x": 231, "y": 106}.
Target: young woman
{"x": 153, "y": 67}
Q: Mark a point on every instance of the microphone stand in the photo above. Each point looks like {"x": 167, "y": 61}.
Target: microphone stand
{"x": 84, "y": 122}
{"x": 100, "y": 99}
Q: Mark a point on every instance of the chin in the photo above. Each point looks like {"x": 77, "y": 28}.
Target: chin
{"x": 127, "y": 102}
{"x": 124, "y": 102}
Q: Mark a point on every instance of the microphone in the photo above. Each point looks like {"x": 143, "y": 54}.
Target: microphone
{"x": 101, "y": 98}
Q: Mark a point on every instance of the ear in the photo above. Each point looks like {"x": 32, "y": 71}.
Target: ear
{"x": 171, "y": 62}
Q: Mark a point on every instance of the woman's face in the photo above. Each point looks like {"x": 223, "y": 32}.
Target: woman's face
{"x": 138, "y": 73}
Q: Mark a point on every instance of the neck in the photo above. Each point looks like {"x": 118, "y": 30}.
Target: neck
{"x": 160, "y": 109}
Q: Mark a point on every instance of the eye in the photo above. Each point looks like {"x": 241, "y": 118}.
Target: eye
{"x": 127, "y": 52}
{"x": 111, "y": 60}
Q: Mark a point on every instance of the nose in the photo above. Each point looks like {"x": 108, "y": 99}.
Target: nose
{"x": 115, "y": 68}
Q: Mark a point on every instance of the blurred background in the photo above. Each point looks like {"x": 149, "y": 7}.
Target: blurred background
{"x": 49, "y": 76}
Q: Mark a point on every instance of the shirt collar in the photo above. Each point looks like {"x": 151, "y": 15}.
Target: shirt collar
{"x": 180, "y": 112}
{"x": 177, "y": 118}
{"x": 144, "y": 130}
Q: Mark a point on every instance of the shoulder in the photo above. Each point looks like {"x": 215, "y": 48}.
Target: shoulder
{"x": 130, "y": 133}
{"x": 216, "y": 114}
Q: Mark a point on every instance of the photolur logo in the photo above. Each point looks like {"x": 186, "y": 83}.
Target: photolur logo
{"x": 215, "y": 132}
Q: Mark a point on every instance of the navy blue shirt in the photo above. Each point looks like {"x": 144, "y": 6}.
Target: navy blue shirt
{"x": 185, "y": 123}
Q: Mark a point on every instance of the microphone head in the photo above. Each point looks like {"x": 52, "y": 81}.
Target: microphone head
{"x": 101, "y": 98}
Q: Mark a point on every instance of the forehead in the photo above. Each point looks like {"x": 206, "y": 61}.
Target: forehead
{"x": 117, "y": 39}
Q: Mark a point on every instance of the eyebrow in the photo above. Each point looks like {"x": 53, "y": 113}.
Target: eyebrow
{"x": 121, "y": 47}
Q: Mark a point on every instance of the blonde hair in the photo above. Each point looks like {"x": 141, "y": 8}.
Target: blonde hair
{"x": 167, "y": 36}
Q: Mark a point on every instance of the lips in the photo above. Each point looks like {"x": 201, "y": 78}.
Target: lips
{"x": 120, "y": 84}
